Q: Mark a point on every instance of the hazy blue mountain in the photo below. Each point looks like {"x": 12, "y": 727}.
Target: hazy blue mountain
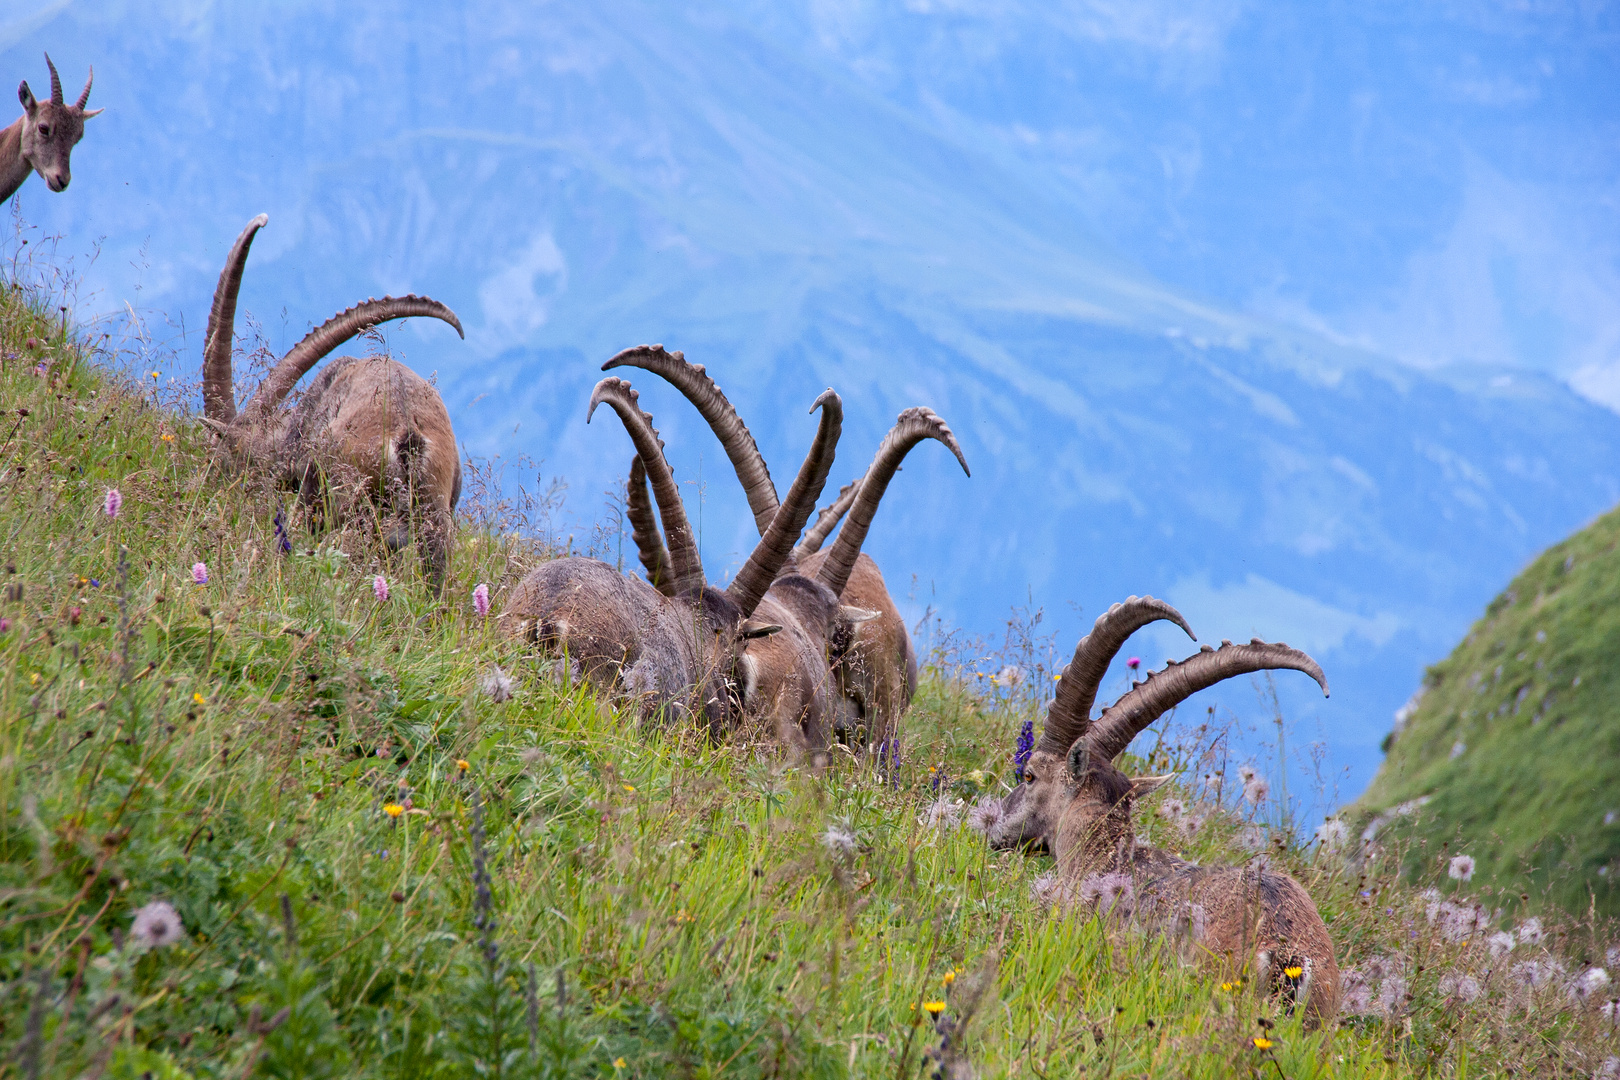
{"x": 577, "y": 178}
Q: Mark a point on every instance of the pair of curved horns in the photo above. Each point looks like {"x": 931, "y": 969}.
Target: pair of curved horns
{"x": 1068, "y": 720}
{"x": 219, "y": 396}
{"x": 56, "y": 88}
{"x": 685, "y": 567}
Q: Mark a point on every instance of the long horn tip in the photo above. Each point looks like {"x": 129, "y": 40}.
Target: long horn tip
{"x": 828, "y": 397}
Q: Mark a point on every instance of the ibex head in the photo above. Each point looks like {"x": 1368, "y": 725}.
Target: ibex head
{"x": 1072, "y": 800}
{"x": 51, "y": 129}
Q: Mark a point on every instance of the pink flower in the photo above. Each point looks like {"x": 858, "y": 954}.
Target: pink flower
{"x": 5, "y": 624}
{"x": 199, "y": 573}
{"x": 379, "y": 587}
{"x": 481, "y": 599}
{"x": 1134, "y": 662}
{"x": 114, "y": 503}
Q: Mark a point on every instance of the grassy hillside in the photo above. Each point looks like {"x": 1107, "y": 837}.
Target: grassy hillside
{"x": 277, "y": 824}
{"x": 1516, "y": 738}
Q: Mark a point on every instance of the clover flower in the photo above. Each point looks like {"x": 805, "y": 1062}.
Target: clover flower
{"x": 379, "y": 588}
{"x": 157, "y": 925}
{"x": 113, "y": 503}
{"x": 199, "y": 573}
{"x": 481, "y": 600}
{"x": 1462, "y": 868}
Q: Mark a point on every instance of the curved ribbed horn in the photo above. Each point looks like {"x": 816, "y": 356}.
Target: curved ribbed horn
{"x": 56, "y": 81}
{"x": 1147, "y": 700}
{"x": 827, "y": 520}
{"x": 644, "y": 530}
{"x": 777, "y": 543}
{"x": 913, "y": 426}
{"x": 694, "y": 382}
{"x": 686, "y": 568}
{"x": 1069, "y": 715}
{"x": 219, "y": 393}
{"x": 84, "y": 95}
{"x": 334, "y": 332}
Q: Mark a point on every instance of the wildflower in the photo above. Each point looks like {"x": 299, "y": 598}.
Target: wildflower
{"x": 839, "y": 838}
{"x": 1609, "y": 1011}
{"x": 496, "y": 684}
{"x": 167, "y": 436}
{"x": 934, "y": 1007}
{"x": 1191, "y": 824}
{"x": 1592, "y": 981}
{"x": 1262, "y": 1043}
{"x": 199, "y": 573}
{"x": 942, "y": 813}
{"x": 618, "y": 1063}
{"x": 1464, "y": 988}
{"x": 379, "y": 588}
{"x": 1530, "y": 932}
{"x": 950, "y": 977}
{"x": 1462, "y": 868}
{"x": 114, "y": 503}
{"x": 31, "y": 344}
{"x": 1251, "y": 838}
{"x": 941, "y": 779}
{"x": 1008, "y": 677}
{"x": 462, "y": 764}
{"x": 631, "y": 788}
{"x": 1233, "y": 986}
{"x": 199, "y": 699}
{"x": 1293, "y": 972}
{"x": 42, "y": 368}
{"x": 75, "y": 613}
{"x": 1025, "y": 747}
{"x": 1255, "y": 791}
{"x": 985, "y": 815}
{"x": 1392, "y": 995}
{"x": 1500, "y": 943}
{"x": 157, "y": 925}
{"x": 481, "y": 600}
{"x": 1609, "y": 1070}
{"x": 1332, "y": 834}
{"x": 283, "y": 541}
{"x": 5, "y": 624}
{"x": 1172, "y": 809}
{"x": 1134, "y": 662}
{"x": 1049, "y": 889}
{"x": 1114, "y": 894}
{"x": 393, "y": 809}
{"x": 1246, "y": 773}
{"x": 154, "y": 374}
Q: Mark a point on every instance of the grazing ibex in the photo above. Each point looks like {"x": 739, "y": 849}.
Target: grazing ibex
{"x": 366, "y": 426}
{"x": 44, "y": 137}
{"x": 874, "y": 662}
{"x": 681, "y": 649}
{"x": 1075, "y": 803}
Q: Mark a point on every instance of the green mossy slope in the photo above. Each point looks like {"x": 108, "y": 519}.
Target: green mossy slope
{"x": 1515, "y": 740}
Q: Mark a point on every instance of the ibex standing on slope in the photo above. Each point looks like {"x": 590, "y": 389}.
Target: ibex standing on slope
{"x": 367, "y": 426}
{"x": 43, "y": 138}
{"x": 874, "y": 663}
{"x": 1076, "y": 804}
{"x": 680, "y": 651}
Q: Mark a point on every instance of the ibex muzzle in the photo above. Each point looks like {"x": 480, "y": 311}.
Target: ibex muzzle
{"x": 42, "y": 140}
{"x": 369, "y": 431}
{"x": 1073, "y": 802}
{"x": 873, "y": 665}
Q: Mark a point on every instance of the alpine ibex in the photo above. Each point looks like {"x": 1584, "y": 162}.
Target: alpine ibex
{"x": 797, "y": 691}
{"x": 1075, "y": 803}
{"x": 681, "y": 650}
{"x": 874, "y": 662}
{"x": 366, "y": 426}
{"x": 44, "y": 136}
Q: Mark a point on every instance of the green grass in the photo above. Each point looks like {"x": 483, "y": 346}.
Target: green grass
{"x": 1516, "y": 740}
{"x": 657, "y": 904}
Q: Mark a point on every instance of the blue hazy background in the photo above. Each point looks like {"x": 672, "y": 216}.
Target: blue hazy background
{"x": 1300, "y": 315}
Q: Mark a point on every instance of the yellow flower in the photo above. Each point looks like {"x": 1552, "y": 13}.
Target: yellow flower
{"x": 1056, "y": 677}
{"x": 33, "y": 678}
{"x": 393, "y": 809}
{"x": 1293, "y": 972}
{"x": 1262, "y": 1043}
{"x": 199, "y": 699}
{"x": 629, "y": 787}
{"x": 618, "y": 1063}
{"x": 950, "y": 977}
{"x": 154, "y": 374}
{"x": 462, "y": 765}
{"x": 934, "y": 1007}
{"x": 168, "y": 436}
{"x": 684, "y": 916}
{"x": 1231, "y": 986}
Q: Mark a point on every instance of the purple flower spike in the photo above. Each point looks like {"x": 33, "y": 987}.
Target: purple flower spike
{"x": 199, "y": 573}
{"x": 1026, "y": 747}
{"x": 481, "y": 600}
{"x": 379, "y": 586}
{"x": 114, "y": 503}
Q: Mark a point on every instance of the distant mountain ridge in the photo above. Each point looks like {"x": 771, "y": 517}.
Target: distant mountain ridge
{"x": 575, "y": 179}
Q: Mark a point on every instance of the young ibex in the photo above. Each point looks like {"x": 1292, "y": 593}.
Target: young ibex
{"x": 368, "y": 426}
{"x": 874, "y": 663}
{"x": 1076, "y": 804}
{"x": 681, "y": 650}
{"x": 798, "y": 692}
{"x": 44, "y": 137}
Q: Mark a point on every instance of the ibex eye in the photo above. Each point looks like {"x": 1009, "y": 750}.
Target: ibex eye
{"x": 44, "y": 129}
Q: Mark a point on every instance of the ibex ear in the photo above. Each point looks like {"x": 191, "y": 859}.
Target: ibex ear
{"x": 854, "y": 616}
{"x": 1146, "y": 785}
{"x": 1079, "y": 759}
{"x": 26, "y": 96}
{"x": 749, "y": 630}
{"x": 88, "y": 113}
